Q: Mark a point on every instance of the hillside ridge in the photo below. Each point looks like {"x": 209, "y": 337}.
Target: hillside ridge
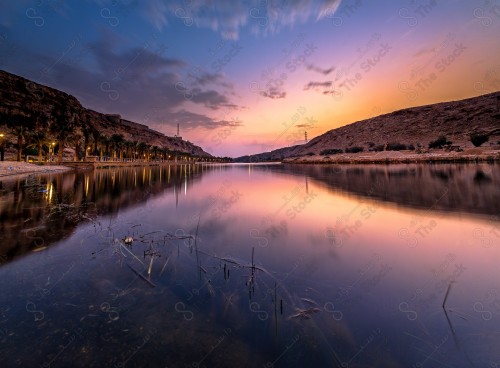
{"x": 412, "y": 128}
{"x": 22, "y": 100}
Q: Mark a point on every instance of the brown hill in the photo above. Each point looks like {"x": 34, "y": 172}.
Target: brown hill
{"x": 22, "y": 101}
{"x": 407, "y": 129}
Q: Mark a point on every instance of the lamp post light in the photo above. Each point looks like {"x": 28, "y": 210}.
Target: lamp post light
{"x": 51, "y": 150}
{"x": 2, "y": 150}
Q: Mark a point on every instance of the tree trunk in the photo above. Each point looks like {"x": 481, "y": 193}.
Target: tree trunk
{"x": 19, "y": 148}
{"x": 40, "y": 146}
{"x": 61, "y": 151}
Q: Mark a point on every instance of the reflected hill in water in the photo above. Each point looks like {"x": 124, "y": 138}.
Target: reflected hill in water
{"x": 38, "y": 210}
{"x": 470, "y": 188}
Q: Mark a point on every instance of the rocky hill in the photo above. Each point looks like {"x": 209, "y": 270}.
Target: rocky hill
{"x": 22, "y": 100}
{"x": 408, "y": 129}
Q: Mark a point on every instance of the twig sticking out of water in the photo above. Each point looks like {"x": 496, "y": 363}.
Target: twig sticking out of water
{"x": 133, "y": 255}
{"x": 152, "y": 232}
{"x": 196, "y": 247}
{"x": 275, "y": 309}
{"x": 150, "y": 265}
{"x": 304, "y": 313}
{"x": 141, "y": 275}
{"x": 446, "y": 295}
{"x": 165, "y": 265}
{"x": 253, "y": 264}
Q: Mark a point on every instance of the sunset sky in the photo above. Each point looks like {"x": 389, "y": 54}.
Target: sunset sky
{"x": 243, "y": 77}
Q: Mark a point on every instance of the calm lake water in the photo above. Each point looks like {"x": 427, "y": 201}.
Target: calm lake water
{"x": 252, "y": 266}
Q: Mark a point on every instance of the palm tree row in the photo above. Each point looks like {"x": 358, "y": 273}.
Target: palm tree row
{"x": 62, "y": 127}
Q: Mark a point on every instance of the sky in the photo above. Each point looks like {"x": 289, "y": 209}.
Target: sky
{"x": 244, "y": 77}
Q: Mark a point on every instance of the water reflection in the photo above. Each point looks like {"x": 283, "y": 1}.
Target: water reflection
{"x": 40, "y": 209}
{"x": 256, "y": 266}
{"x": 472, "y": 188}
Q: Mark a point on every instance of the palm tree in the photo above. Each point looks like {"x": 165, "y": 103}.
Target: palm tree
{"x": 63, "y": 125}
{"x": 19, "y": 125}
{"x": 87, "y": 131}
{"x": 38, "y": 140}
{"x": 117, "y": 140}
{"x": 135, "y": 148}
{"x": 141, "y": 148}
{"x": 96, "y": 136}
{"x": 21, "y": 133}
{"x": 76, "y": 139}
{"x": 129, "y": 146}
{"x": 107, "y": 142}
{"x": 155, "y": 151}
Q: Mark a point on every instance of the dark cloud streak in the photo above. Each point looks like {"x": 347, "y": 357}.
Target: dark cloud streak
{"x": 133, "y": 83}
{"x": 273, "y": 93}
{"x": 320, "y": 70}
{"x": 317, "y": 85}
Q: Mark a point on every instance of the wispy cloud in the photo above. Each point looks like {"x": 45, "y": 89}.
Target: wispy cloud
{"x": 229, "y": 17}
{"x": 320, "y": 70}
{"x": 317, "y": 85}
{"x": 273, "y": 93}
{"x": 190, "y": 120}
{"x": 211, "y": 99}
{"x": 424, "y": 51}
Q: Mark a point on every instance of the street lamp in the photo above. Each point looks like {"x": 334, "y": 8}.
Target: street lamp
{"x": 52, "y": 144}
{"x": 1, "y": 147}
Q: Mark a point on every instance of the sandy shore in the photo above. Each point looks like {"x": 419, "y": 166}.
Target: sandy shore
{"x": 470, "y": 155}
{"x": 10, "y": 168}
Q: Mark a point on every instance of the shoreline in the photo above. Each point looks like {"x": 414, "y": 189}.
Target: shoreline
{"x": 397, "y": 157}
{"x": 9, "y": 169}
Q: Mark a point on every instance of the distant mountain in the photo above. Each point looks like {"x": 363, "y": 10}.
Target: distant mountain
{"x": 404, "y": 129}
{"x": 23, "y": 102}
